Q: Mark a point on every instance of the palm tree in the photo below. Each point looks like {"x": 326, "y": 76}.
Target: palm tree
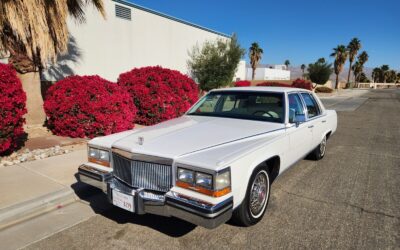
{"x": 353, "y": 48}
{"x": 357, "y": 70}
{"x": 363, "y": 57}
{"x": 384, "y": 72}
{"x": 303, "y": 68}
{"x": 358, "y": 67}
{"x": 34, "y": 33}
{"x": 255, "y": 54}
{"x": 376, "y": 74}
{"x": 340, "y": 55}
{"x": 391, "y": 76}
{"x": 287, "y": 63}
{"x": 321, "y": 60}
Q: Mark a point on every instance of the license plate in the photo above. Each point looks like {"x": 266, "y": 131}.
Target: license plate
{"x": 123, "y": 201}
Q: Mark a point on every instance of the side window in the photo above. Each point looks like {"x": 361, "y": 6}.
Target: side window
{"x": 295, "y": 106}
{"x": 229, "y": 103}
{"x": 209, "y": 104}
{"x": 312, "y": 106}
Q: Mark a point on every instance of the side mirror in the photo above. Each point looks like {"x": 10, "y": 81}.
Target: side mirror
{"x": 299, "y": 119}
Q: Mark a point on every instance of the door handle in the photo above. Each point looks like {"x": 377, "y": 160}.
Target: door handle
{"x": 311, "y": 126}
{"x": 323, "y": 121}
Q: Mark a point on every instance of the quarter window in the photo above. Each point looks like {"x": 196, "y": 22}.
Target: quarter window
{"x": 311, "y": 104}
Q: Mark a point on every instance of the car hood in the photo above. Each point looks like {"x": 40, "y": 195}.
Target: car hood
{"x": 189, "y": 134}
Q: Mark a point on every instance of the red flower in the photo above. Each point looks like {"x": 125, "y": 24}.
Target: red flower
{"x": 298, "y": 83}
{"x": 88, "y": 106}
{"x": 274, "y": 84}
{"x": 302, "y": 84}
{"x": 242, "y": 84}
{"x": 159, "y": 94}
{"x": 12, "y": 109}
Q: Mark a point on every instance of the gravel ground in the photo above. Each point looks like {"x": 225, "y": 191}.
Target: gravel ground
{"x": 350, "y": 199}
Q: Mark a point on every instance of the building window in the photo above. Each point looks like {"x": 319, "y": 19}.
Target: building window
{"x": 123, "y": 12}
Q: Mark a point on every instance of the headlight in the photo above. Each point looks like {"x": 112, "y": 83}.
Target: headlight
{"x": 99, "y": 156}
{"x": 215, "y": 184}
{"x": 223, "y": 180}
{"x": 185, "y": 175}
{"x": 204, "y": 180}
{"x": 94, "y": 153}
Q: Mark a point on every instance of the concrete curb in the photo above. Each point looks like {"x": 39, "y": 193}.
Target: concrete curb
{"x": 26, "y": 210}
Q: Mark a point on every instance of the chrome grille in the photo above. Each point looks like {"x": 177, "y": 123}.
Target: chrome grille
{"x": 141, "y": 174}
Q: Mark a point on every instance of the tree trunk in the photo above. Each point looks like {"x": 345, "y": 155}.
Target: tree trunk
{"x": 253, "y": 73}
{"x": 348, "y": 76}
{"x": 337, "y": 81}
{"x": 34, "y": 100}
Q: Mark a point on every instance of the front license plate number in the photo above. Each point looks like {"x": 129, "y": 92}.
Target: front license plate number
{"x": 123, "y": 200}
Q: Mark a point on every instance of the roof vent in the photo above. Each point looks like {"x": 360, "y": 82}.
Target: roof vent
{"x": 123, "y": 12}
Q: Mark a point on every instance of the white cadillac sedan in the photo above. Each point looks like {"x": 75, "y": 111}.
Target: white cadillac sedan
{"x": 217, "y": 161}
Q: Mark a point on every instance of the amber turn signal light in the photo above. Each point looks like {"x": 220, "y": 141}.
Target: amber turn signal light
{"x": 212, "y": 193}
{"x": 97, "y": 161}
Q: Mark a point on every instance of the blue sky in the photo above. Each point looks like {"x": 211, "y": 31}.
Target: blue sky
{"x": 299, "y": 30}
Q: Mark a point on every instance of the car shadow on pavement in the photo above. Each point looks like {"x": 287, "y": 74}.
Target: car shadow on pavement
{"x": 98, "y": 202}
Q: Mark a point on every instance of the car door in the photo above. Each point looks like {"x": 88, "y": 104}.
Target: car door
{"x": 300, "y": 135}
{"x": 315, "y": 119}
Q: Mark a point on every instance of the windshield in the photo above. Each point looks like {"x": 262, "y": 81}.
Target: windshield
{"x": 250, "y": 105}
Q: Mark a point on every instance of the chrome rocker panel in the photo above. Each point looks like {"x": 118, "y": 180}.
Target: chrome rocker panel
{"x": 170, "y": 204}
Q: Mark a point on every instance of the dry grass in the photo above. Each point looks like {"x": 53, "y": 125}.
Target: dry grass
{"x": 38, "y": 28}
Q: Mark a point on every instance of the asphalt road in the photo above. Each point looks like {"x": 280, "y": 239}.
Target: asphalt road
{"x": 350, "y": 199}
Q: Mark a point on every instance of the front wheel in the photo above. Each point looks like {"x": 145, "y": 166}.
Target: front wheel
{"x": 254, "y": 204}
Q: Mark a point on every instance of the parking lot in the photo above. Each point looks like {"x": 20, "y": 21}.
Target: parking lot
{"x": 350, "y": 199}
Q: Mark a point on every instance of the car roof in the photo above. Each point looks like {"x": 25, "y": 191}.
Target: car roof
{"x": 263, "y": 89}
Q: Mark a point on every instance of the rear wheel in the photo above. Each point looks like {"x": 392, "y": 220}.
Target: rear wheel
{"x": 319, "y": 151}
{"x": 254, "y": 204}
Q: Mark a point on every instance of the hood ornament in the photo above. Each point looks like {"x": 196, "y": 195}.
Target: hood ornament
{"x": 140, "y": 140}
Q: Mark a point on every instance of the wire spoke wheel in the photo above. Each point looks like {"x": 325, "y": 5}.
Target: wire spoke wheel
{"x": 259, "y": 194}
{"x": 322, "y": 146}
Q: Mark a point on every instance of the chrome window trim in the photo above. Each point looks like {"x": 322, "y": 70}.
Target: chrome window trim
{"x": 304, "y": 103}
{"x": 143, "y": 157}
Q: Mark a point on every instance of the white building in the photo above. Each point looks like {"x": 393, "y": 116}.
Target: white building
{"x": 263, "y": 72}
{"x": 131, "y": 36}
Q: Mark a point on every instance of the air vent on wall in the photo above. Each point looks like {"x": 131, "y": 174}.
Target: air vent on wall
{"x": 123, "y": 12}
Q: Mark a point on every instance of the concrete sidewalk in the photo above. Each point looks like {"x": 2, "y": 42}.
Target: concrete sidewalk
{"x": 32, "y": 188}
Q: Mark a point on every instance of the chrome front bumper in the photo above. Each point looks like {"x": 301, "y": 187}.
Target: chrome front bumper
{"x": 170, "y": 204}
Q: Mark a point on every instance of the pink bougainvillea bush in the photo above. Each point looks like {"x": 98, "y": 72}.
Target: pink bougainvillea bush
{"x": 273, "y": 84}
{"x": 242, "y": 84}
{"x": 88, "y": 106}
{"x": 302, "y": 84}
{"x": 298, "y": 83}
{"x": 12, "y": 109}
{"x": 159, "y": 94}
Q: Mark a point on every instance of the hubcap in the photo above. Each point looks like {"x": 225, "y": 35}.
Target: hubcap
{"x": 322, "y": 146}
{"x": 259, "y": 194}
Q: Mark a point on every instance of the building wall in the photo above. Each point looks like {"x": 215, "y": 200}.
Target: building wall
{"x": 240, "y": 74}
{"x": 269, "y": 74}
{"x": 112, "y": 46}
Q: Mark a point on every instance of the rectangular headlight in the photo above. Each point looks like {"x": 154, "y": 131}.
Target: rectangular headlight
{"x": 99, "y": 156}
{"x": 223, "y": 180}
{"x": 94, "y": 153}
{"x": 215, "y": 184}
{"x": 185, "y": 175}
{"x": 204, "y": 180}
{"x": 104, "y": 155}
